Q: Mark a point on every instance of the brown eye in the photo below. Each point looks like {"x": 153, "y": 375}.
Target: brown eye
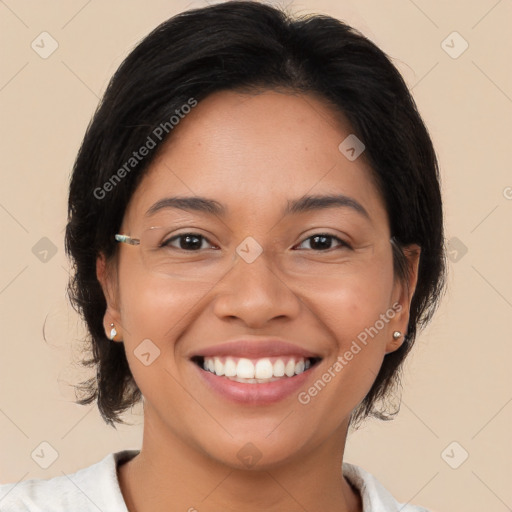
{"x": 191, "y": 242}
{"x": 323, "y": 242}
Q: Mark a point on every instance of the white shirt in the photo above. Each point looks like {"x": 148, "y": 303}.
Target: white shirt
{"x": 96, "y": 488}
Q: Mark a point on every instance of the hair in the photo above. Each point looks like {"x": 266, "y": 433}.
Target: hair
{"x": 243, "y": 45}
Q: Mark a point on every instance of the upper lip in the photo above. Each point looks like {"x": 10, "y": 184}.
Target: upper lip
{"x": 255, "y": 348}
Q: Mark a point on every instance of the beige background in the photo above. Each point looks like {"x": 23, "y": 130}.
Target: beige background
{"x": 457, "y": 385}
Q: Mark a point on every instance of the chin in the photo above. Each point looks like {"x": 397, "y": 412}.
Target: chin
{"x": 254, "y": 452}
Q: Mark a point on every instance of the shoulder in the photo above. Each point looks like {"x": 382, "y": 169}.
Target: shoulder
{"x": 373, "y": 494}
{"x": 93, "y": 488}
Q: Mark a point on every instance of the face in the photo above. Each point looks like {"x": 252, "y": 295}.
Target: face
{"x": 262, "y": 281}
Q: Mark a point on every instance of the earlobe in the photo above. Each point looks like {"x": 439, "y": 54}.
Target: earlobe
{"x": 113, "y": 332}
{"x": 395, "y": 343}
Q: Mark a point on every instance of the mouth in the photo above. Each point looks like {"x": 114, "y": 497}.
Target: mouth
{"x": 256, "y": 371}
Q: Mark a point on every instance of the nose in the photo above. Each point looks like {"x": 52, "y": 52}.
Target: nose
{"x": 255, "y": 294}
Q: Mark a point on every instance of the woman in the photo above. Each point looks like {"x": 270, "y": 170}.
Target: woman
{"x": 256, "y": 226}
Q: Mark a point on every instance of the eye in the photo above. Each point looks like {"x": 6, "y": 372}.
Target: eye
{"x": 322, "y": 242}
{"x": 187, "y": 242}
{"x": 193, "y": 242}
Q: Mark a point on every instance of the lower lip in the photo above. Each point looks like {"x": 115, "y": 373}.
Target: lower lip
{"x": 255, "y": 394}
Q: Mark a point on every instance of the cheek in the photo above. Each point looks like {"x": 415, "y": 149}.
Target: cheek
{"x": 354, "y": 312}
{"x": 153, "y": 305}
{"x": 158, "y": 308}
{"x": 354, "y": 304}
{"x": 351, "y": 313}
{"x": 155, "y": 310}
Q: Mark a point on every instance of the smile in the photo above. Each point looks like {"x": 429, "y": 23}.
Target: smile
{"x": 255, "y": 382}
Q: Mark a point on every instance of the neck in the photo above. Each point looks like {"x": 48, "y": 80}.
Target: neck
{"x": 169, "y": 475}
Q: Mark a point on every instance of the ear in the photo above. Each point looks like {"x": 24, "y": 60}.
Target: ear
{"x": 403, "y": 292}
{"x": 108, "y": 281}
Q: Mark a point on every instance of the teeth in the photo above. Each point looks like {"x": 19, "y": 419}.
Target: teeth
{"x": 245, "y": 369}
{"x": 263, "y": 370}
{"x": 218, "y": 366}
{"x": 229, "y": 367}
{"x": 279, "y": 368}
{"x": 289, "y": 369}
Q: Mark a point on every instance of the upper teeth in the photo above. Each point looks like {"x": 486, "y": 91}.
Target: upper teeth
{"x": 259, "y": 369}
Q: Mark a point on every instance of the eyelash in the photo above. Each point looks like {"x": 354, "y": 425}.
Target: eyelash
{"x": 342, "y": 243}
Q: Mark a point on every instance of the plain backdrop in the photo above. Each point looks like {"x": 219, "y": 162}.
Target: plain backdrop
{"x": 457, "y": 393}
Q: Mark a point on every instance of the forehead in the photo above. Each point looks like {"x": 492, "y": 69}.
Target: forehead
{"x": 252, "y": 152}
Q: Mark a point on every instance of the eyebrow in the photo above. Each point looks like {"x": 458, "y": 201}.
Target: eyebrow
{"x": 319, "y": 202}
{"x": 301, "y": 205}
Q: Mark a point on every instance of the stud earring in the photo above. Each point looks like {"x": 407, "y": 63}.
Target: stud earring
{"x": 113, "y": 331}
{"x": 397, "y": 335}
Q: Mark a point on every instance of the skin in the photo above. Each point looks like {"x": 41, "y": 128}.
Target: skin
{"x": 252, "y": 153}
